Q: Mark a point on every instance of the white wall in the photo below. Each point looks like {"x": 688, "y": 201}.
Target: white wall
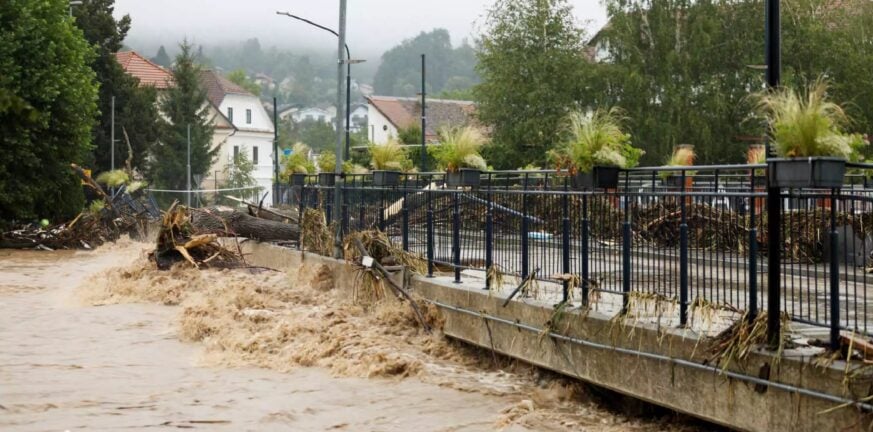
{"x": 379, "y": 129}
{"x": 240, "y": 103}
{"x": 257, "y": 134}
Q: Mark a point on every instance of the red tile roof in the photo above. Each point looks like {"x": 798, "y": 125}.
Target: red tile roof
{"x": 403, "y": 112}
{"x": 148, "y": 73}
{"x": 217, "y": 87}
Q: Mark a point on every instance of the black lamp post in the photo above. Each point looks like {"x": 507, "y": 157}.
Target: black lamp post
{"x": 349, "y": 63}
{"x": 774, "y": 199}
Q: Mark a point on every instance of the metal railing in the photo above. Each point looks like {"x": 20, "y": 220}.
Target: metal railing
{"x": 692, "y": 236}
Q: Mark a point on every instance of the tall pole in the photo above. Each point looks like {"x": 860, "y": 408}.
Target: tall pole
{"x": 188, "y": 176}
{"x": 341, "y": 43}
{"x": 774, "y": 199}
{"x": 275, "y": 154}
{"x": 423, "y": 120}
{"x": 348, "y": 101}
{"x": 112, "y": 137}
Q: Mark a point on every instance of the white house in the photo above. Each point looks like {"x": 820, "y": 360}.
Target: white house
{"x": 324, "y": 115}
{"x": 253, "y": 130}
{"x": 387, "y": 115}
{"x": 358, "y": 117}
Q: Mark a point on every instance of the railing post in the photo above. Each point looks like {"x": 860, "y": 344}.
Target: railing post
{"x": 774, "y": 262}
{"x": 300, "y": 209}
{"x": 361, "y": 214}
{"x": 565, "y": 239}
{"x": 430, "y": 236}
{"x": 405, "y": 228}
{"x": 489, "y": 237}
{"x": 626, "y": 258}
{"x": 584, "y": 257}
{"x": 835, "y": 275}
{"x": 753, "y": 253}
{"x": 328, "y": 207}
{"x": 524, "y": 231}
{"x": 381, "y": 218}
{"x": 683, "y": 259}
{"x": 456, "y": 237}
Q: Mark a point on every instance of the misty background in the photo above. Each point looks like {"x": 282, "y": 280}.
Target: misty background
{"x": 373, "y": 26}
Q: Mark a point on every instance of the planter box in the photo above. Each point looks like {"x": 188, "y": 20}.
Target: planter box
{"x": 674, "y": 181}
{"x": 814, "y": 172}
{"x": 463, "y": 178}
{"x": 600, "y": 177}
{"x": 326, "y": 179}
{"x": 386, "y": 178}
{"x": 298, "y": 179}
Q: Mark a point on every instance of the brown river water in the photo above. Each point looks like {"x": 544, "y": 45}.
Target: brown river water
{"x": 98, "y": 340}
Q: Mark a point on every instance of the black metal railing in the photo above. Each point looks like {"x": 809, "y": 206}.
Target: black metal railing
{"x": 693, "y": 236}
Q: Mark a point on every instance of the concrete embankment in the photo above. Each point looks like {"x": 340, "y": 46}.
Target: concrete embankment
{"x": 664, "y": 366}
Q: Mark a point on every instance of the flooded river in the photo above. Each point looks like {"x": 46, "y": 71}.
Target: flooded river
{"x": 97, "y": 341}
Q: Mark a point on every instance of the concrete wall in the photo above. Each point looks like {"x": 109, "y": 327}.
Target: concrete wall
{"x": 699, "y": 393}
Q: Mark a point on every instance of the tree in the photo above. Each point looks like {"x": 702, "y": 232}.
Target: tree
{"x": 135, "y": 107}
{"x": 184, "y": 106}
{"x": 238, "y": 173}
{"x": 399, "y": 72}
{"x": 533, "y": 73}
{"x": 316, "y": 134}
{"x": 681, "y": 69}
{"x": 162, "y": 58}
{"x": 47, "y": 106}
{"x": 239, "y": 77}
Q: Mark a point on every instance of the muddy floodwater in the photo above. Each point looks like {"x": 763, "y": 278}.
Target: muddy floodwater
{"x": 72, "y": 360}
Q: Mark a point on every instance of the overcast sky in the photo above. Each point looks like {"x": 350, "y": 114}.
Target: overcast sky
{"x": 373, "y": 25}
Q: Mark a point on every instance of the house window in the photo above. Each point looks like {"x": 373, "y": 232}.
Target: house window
{"x": 235, "y": 154}
{"x": 230, "y": 114}
{"x": 248, "y": 116}
{"x": 255, "y": 155}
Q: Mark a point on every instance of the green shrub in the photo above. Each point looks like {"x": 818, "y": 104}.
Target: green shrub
{"x": 807, "y": 124}
{"x": 460, "y": 148}
{"x": 595, "y": 138}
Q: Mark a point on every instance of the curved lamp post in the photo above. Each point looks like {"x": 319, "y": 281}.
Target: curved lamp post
{"x": 349, "y": 62}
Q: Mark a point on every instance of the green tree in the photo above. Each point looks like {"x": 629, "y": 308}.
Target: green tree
{"x": 239, "y": 77}
{"x": 238, "y": 173}
{"x": 316, "y": 134}
{"x": 162, "y": 58}
{"x": 135, "y": 107}
{"x": 399, "y": 72}
{"x": 533, "y": 73}
{"x": 184, "y": 106}
{"x": 47, "y": 106}
{"x": 684, "y": 70}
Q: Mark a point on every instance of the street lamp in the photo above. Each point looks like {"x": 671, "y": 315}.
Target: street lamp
{"x": 349, "y": 62}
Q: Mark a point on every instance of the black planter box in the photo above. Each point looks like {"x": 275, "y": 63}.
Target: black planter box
{"x": 812, "y": 172}
{"x": 464, "y": 177}
{"x": 298, "y": 179}
{"x": 601, "y": 177}
{"x": 326, "y": 179}
{"x": 674, "y": 181}
{"x": 386, "y": 178}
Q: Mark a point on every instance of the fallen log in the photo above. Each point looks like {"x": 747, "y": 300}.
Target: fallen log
{"x": 241, "y": 224}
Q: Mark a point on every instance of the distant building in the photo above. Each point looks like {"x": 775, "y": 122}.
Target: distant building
{"x": 387, "y": 115}
{"x": 301, "y": 114}
{"x": 358, "y": 117}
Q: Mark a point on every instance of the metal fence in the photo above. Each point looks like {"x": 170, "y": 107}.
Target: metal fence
{"x": 694, "y": 237}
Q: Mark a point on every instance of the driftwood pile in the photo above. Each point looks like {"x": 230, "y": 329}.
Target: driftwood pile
{"x": 192, "y": 235}
{"x": 120, "y": 214}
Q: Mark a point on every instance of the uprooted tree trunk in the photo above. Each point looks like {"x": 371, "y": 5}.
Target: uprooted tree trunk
{"x": 241, "y": 224}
